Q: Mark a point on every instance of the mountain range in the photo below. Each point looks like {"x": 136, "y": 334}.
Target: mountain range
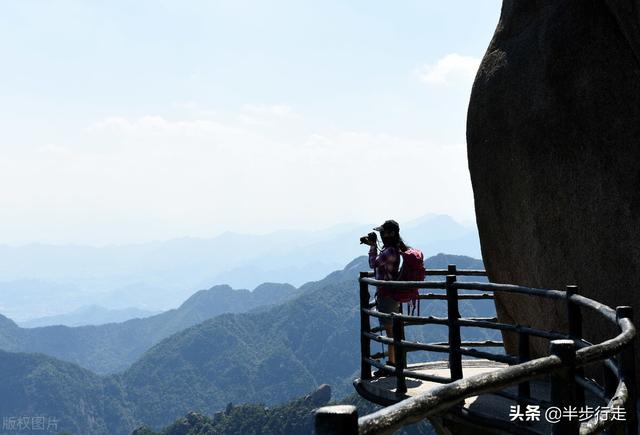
{"x": 271, "y": 355}
{"x": 113, "y": 347}
{"x": 46, "y": 280}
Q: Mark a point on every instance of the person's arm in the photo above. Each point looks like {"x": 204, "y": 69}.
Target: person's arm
{"x": 373, "y": 253}
{"x": 386, "y": 258}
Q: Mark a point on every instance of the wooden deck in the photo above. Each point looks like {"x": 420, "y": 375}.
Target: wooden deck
{"x": 487, "y": 413}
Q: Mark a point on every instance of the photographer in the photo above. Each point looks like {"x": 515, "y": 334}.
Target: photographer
{"x": 386, "y": 266}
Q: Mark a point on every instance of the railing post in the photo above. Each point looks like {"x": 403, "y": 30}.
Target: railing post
{"x": 398, "y": 336}
{"x": 610, "y": 381}
{"x": 524, "y": 355}
{"x": 455, "y": 357}
{"x": 452, "y": 269}
{"x": 365, "y": 327}
{"x": 575, "y": 331}
{"x": 610, "y": 385}
{"x": 336, "y": 420}
{"x": 573, "y": 313}
{"x": 628, "y": 374}
{"x": 563, "y": 390}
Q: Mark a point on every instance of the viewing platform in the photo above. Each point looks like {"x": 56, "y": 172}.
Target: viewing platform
{"x": 473, "y": 390}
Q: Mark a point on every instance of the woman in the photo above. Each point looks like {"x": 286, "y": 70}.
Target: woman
{"x": 386, "y": 265}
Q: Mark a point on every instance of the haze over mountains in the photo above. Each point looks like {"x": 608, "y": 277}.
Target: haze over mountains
{"x": 44, "y": 280}
{"x": 271, "y": 355}
{"x": 113, "y": 347}
{"x": 89, "y": 315}
{"x": 269, "y": 345}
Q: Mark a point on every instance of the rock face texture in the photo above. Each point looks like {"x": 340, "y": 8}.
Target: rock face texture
{"x": 553, "y": 134}
{"x": 320, "y": 397}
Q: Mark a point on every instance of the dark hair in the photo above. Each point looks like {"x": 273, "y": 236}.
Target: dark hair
{"x": 401, "y": 245}
{"x": 398, "y": 243}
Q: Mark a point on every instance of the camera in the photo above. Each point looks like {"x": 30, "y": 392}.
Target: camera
{"x": 369, "y": 239}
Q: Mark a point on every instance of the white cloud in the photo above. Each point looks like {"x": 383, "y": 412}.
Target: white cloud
{"x": 159, "y": 177}
{"x": 281, "y": 110}
{"x": 53, "y": 149}
{"x": 185, "y": 105}
{"x": 452, "y": 68}
{"x": 265, "y": 115}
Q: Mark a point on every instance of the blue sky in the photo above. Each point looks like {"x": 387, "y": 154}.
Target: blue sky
{"x": 134, "y": 121}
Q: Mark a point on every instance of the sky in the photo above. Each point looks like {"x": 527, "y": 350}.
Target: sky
{"x": 126, "y": 122}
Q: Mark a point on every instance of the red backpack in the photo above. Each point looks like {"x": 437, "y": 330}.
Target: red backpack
{"x": 412, "y": 270}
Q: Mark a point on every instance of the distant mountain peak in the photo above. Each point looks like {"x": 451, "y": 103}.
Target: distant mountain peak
{"x": 217, "y": 287}
{"x": 6, "y": 322}
{"x": 271, "y": 286}
{"x": 204, "y": 295}
{"x": 359, "y": 263}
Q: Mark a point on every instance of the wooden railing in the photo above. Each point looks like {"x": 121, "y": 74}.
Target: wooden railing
{"x": 569, "y": 353}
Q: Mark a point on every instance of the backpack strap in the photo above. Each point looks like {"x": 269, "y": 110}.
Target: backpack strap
{"x": 415, "y": 303}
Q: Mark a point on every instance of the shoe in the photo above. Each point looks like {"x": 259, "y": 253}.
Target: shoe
{"x": 381, "y": 373}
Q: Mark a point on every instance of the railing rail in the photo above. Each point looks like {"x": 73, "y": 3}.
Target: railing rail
{"x": 569, "y": 353}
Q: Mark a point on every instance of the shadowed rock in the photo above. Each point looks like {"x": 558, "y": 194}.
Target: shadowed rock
{"x": 553, "y": 133}
{"x": 320, "y": 397}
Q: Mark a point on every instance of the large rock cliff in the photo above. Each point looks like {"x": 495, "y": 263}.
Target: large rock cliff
{"x": 553, "y": 135}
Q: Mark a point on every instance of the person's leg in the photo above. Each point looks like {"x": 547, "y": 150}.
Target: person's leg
{"x": 392, "y": 352}
{"x": 388, "y": 306}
